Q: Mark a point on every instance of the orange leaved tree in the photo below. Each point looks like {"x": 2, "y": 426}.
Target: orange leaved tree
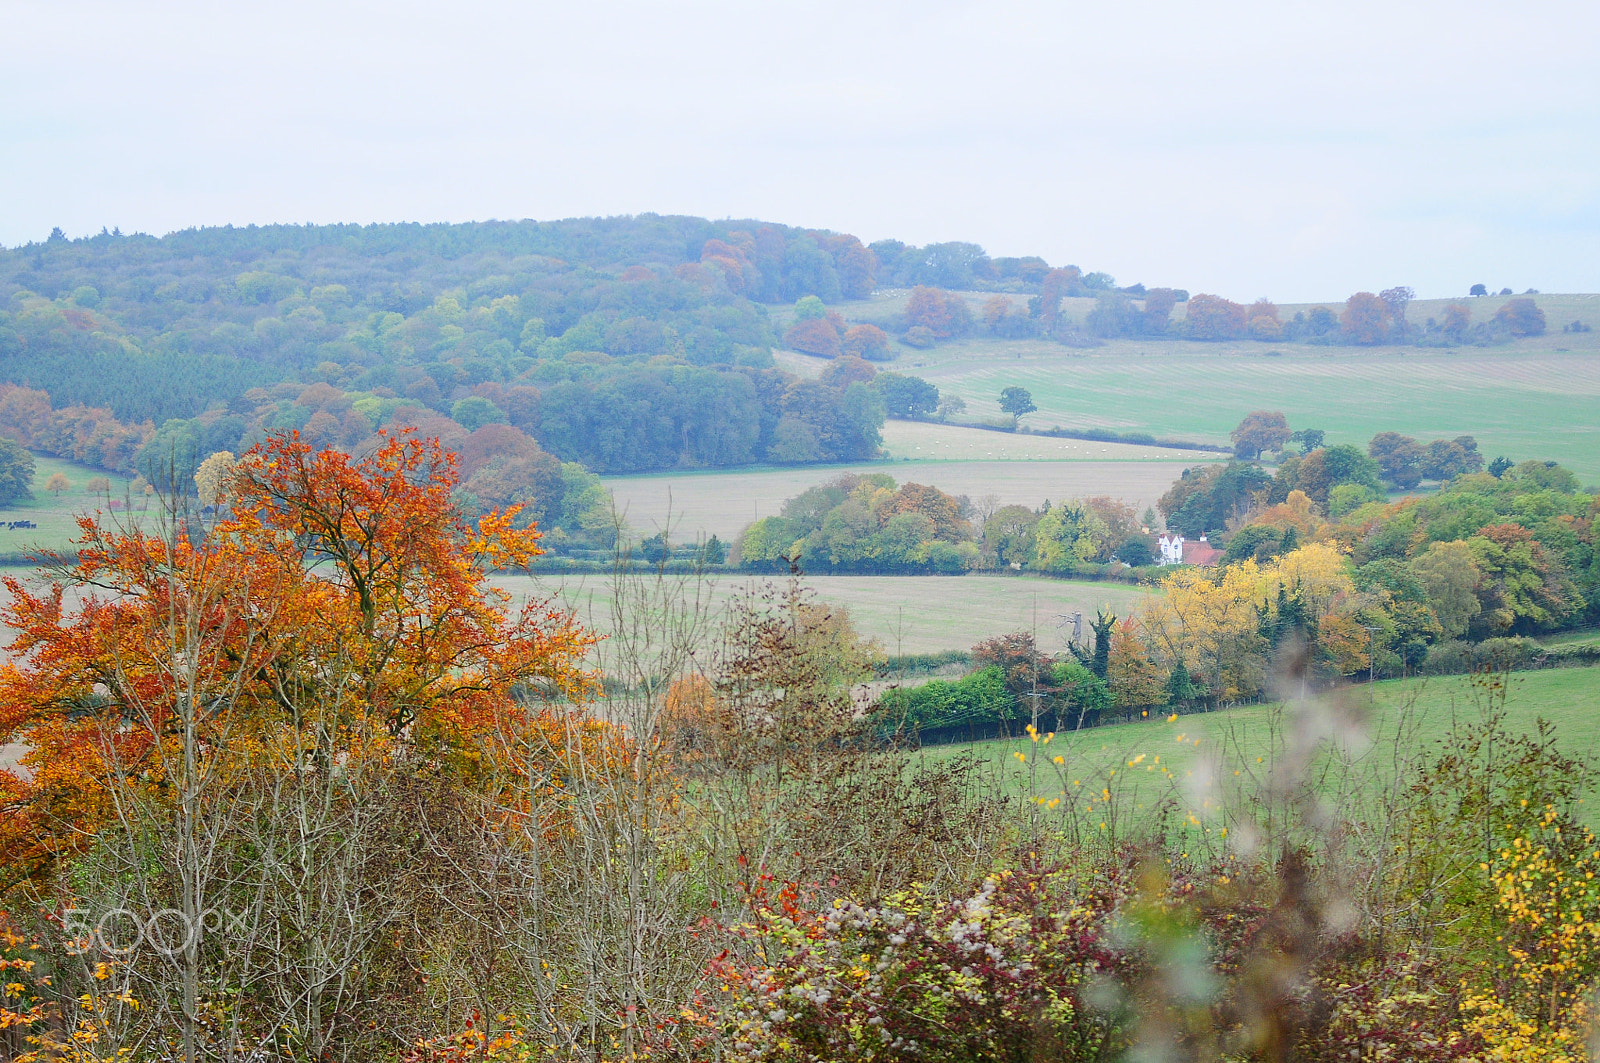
{"x": 261, "y": 713}
{"x": 341, "y": 602}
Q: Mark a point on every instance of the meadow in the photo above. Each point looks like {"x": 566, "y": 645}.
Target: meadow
{"x": 1380, "y": 724}
{"x": 905, "y": 614}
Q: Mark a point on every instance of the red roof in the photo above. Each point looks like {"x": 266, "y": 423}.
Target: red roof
{"x": 1200, "y": 553}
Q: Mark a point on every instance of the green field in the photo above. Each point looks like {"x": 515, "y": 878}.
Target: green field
{"x": 1380, "y": 723}
{"x": 906, "y": 614}
{"x": 1533, "y": 398}
{"x": 55, "y": 514}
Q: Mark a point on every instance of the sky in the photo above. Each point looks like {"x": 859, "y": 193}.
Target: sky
{"x": 1292, "y": 150}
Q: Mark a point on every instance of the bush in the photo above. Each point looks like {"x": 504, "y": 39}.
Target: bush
{"x": 919, "y": 336}
{"x": 978, "y": 698}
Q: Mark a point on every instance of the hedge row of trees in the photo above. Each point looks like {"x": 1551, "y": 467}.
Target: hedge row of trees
{"x": 1365, "y": 319}
{"x": 867, "y": 523}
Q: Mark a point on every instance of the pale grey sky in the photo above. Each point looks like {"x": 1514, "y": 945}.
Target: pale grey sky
{"x": 1292, "y": 150}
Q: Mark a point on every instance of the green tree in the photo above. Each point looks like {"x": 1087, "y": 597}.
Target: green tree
{"x": 1016, "y": 401}
{"x": 908, "y": 397}
{"x": 810, "y": 308}
{"x": 16, "y": 473}
{"x": 1308, "y": 439}
{"x": 1449, "y": 576}
{"x": 475, "y": 411}
{"x": 1322, "y": 470}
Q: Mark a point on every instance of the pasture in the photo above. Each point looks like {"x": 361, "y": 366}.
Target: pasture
{"x": 56, "y": 514}
{"x": 905, "y": 614}
{"x": 1531, "y": 398}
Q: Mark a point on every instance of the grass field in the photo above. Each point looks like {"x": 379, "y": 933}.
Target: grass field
{"x": 1386, "y": 720}
{"x": 1533, "y": 398}
{"x": 906, "y": 614}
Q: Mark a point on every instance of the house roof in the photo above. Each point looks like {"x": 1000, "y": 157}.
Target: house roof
{"x": 1199, "y": 553}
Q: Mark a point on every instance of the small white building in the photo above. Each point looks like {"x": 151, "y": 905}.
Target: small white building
{"x": 1176, "y": 550}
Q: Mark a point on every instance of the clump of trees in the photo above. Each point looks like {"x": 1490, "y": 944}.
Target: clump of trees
{"x": 866, "y": 524}
{"x": 869, "y": 524}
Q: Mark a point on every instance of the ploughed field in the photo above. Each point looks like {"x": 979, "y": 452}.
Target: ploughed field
{"x": 1015, "y": 469}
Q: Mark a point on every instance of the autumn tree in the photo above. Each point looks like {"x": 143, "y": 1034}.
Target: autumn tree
{"x": 211, "y": 478}
{"x": 1136, "y": 681}
{"x": 1400, "y": 458}
{"x": 1211, "y": 317}
{"x": 1397, "y": 299}
{"x": 846, "y": 370}
{"x": 818, "y": 336}
{"x": 57, "y": 483}
{"x": 1457, "y": 318}
{"x": 1158, "y": 304}
{"x": 942, "y": 313}
{"x": 1366, "y": 319}
{"x": 329, "y": 577}
{"x": 278, "y": 692}
{"x": 995, "y": 310}
{"x": 1057, "y": 285}
{"x": 1522, "y": 317}
{"x": 1260, "y": 431}
{"x": 865, "y": 341}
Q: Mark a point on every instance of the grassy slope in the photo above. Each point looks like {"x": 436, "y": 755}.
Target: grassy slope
{"x": 1399, "y": 716}
{"x": 1533, "y": 398}
{"x": 906, "y": 614}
